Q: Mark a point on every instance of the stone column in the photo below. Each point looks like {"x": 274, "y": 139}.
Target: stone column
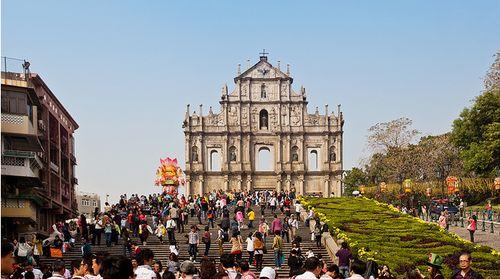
{"x": 288, "y": 182}
{"x": 278, "y": 184}
{"x": 188, "y": 185}
{"x": 249, "y": 183}
{"x": 326, "y": 189}
{"x": 201, "y": 186}
{"x": 226, "y": 183}
{"x": 239, "y": 184}
{"x": 300, "y": 189}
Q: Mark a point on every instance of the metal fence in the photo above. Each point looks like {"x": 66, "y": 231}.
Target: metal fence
{"x": 14, "y": 68}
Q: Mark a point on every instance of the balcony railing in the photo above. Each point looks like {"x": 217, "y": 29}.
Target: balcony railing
{"x": 21, "y": 163}
{"x": 17, "y": 124}
{"x": 19, "y": 154}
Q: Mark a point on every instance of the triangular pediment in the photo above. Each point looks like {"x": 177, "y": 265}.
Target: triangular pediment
{"x": 262, "y": 70}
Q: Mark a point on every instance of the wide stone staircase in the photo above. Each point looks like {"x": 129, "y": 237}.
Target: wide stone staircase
{"x": 162, "y": 251}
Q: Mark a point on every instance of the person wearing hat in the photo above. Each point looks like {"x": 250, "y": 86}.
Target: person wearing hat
{"x": 435, "y": 264}
{"x": 188, "y": 270}
{"x": 267, "y": 273}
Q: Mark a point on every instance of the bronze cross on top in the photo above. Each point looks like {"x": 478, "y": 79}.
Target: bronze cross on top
{"x": 263, "y": 53}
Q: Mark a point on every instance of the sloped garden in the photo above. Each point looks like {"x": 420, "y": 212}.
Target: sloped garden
{"x": 380, "y": 232}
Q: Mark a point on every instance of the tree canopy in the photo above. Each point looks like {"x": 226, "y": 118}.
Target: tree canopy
{"x": 477, "y": 131}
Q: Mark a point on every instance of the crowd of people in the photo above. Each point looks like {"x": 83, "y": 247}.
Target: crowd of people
{"x": 166, "y": 217}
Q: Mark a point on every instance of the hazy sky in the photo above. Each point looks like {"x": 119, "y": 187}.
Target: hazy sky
{"x": 126, "y": 69}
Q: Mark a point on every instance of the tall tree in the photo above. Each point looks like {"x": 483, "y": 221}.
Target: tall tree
{"x": 393, "y": 134}
{"x": 477, "y": 131}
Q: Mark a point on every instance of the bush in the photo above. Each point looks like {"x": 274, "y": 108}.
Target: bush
{"x": 380, "y": 232}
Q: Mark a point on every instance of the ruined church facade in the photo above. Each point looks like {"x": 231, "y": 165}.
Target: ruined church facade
{"x": 263, "y": 137}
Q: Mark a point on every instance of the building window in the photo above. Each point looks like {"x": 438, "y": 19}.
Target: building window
{"x": 263, "y": 117}
{"x": 333, "y": 155}
{"x": 264, "y": 161}
{"x": 313, "y": 160}
{"x": 214, "y": 160}
{"x": 232, "y": 154}
{"x": 194, "y": 154}
{"x": 94, "y": 203}
{"x": 295, "y": 154}
{"x": 263, "y": 93}
{"x": 15, "y": 102}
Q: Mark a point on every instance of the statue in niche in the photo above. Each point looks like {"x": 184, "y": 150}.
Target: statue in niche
{"x": 263, "y": 119}
{"x": 333, "y": 155}
{"x": 194, "y": 154}
{"x": 295, "y": 154}
{"x": 232, "y": 154}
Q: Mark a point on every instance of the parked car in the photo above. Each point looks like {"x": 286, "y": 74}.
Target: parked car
{"x": 437, "y": 206}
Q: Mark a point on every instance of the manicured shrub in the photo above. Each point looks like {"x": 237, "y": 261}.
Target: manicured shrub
{"x": 380, "y": 232}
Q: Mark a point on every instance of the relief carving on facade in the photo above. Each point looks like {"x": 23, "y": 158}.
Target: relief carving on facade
{"x": 233, "y": 116}
{"x": 284, "y": 116}
{"x": 295, "y": 115}
{"x": 244, "y": 117}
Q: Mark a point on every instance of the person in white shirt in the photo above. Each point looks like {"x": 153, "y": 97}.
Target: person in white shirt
{"x": 313, "y": 268}
{"x": 250, "y": 248}
{"x": 145, "y": 260}
{"x": 37, "y": 272}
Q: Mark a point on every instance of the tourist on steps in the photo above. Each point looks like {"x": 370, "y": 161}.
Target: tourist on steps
{"x": 145, "y": 260}
{"x": 313, "y": 268}
{"x": 236, "y": 246}
{"x": 251, "y": 217}
{"x": 345, "y": 257}
{"x": 194, "y": 241}
{"x": 258, "y": 246}
{"x": 278, "y": 249}
{"x": 250, "y": 249}
{"x": 207, "y": 239}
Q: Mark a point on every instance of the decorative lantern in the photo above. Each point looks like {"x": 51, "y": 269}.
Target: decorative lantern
{"x": 428, "y": 192}
{"x": 497, "y": 183}
{"x": 362, "y": 189}
{"x": 407, "y": 185}
{"x": 451, "y": 182}
{"x": 383, "y": 187}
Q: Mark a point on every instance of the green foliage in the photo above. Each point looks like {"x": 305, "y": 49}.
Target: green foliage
{"x": 477, "y": 133}
{"x": 378, "y": 231}
{"x": 416, "y": 161}
{"x": 353, "y": 179}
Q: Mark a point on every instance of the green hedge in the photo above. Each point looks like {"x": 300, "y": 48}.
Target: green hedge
{"x": 380, "y": 232}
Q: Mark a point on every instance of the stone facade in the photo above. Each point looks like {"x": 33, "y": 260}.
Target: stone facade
{"x": 264, "y": 138}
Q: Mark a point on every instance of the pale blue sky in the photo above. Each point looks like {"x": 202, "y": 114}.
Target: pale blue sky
{"x": 126, "y": 69}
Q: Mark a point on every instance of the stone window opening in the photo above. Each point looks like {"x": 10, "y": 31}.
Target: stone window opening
{"x": 264, "y": 160}
{"x": 263, "y": 119}
{"x": 232, "y": 154}
{"x": 263, "y": 93}
{"x": 313, "y": 160}
{"x": 214, "y": 160}
{"x": 295, "y": 154}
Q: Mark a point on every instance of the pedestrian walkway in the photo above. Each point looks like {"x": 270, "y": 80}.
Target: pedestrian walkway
{"x": 162, "y": 251}
{"x": 483, "y": 238}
